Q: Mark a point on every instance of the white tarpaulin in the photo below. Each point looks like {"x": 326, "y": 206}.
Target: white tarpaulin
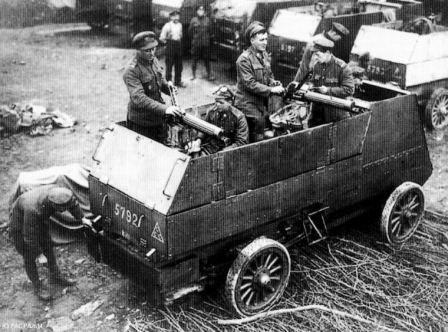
{"x": 62, "y": 3}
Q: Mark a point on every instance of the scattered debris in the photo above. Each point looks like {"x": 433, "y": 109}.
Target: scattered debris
{"x": 86, "y": 309}
{"x": 60, "y": 324}
{"x": 36, "y": 119}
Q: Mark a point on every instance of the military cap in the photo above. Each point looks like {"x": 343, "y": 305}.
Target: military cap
{"x": 223, "y": 92}
{"x": 254, "y": 28}
{"x": 63, "y": 199}
{"x": 200, "y": 7}
{"x": 144, "y": 40}
{"x": 175, "y": 12}
{"x": 322, "y": 44}
{"x": 340, "y": 29}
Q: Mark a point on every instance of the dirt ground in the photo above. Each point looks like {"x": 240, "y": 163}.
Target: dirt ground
{"x": 81, "y": 73}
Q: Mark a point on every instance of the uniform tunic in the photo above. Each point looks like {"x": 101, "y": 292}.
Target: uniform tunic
{"x": 145, "y": 83}
{"x": 200, "y": 33}
{"x": 234, "y": 124}
{"x": 254, "y": 78}
{"x": 338, "y": 78}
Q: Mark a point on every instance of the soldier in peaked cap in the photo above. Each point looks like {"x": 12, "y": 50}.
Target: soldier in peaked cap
{"x": 255, "y": 81}
{"x": 224, "y": 115}
{"x": 145, "y": 83}
{"x": 335, "y": 34}
{"x": 331, "y": 76}
{"x": 29, "y": 231}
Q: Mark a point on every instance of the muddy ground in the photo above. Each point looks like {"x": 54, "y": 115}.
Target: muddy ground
{"x": 81, "y": 73}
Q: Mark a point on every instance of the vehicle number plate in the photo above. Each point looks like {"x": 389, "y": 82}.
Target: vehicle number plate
{"x": 128, "y": 216}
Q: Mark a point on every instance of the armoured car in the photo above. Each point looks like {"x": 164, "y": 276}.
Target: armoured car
{"x": 292, "y": 28}
{"x": 175, "y": 223}
{"x": 415, "y": 61}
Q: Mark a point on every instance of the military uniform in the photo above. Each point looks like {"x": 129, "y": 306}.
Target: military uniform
{"x": 338, "y": 78}
{"x": 254, "y": 78}
{"x": 234, "y": 124}
{"x": 304, "y": 68}
{"x": 146, "y": 109}
{"x": 200, "y": 33}
{"x": 29, "y": 228}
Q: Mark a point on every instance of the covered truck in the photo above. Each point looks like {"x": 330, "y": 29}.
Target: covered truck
{"x": 412, "y": 61}
{"x": 231, "y": 17}
{"x": 176, "y": 224}
{"x": 291, "y": 29}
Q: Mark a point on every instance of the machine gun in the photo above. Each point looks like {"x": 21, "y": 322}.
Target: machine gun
{"x": 192, "y": 121}
{"x": 350, "y": 105}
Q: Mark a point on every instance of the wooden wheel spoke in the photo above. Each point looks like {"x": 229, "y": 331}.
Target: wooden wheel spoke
{"x": 250, "y": 278}
{"x": 275, "y": 278}
{"x": 246, "y": 293}
{"x": 395, "y": 227}
{"x": 275, "y": 269}
{"x": 266, "y": 263}
{"x": 394, "y": 221}
{"x": 250, "y": 298}
{"x": 272, "y": 263}
{"x": 245, "y": 286}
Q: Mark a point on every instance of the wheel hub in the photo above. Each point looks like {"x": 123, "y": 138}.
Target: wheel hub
{"x": 262, "y": 277}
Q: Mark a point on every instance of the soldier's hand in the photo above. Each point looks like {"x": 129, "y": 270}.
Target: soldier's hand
{"x": 292, "y": 87}
{"x": 277, "y": 90}
{"x": 173, "y": 111}
{"x": 194, "y": 146}
{"x": 322, "y": 89}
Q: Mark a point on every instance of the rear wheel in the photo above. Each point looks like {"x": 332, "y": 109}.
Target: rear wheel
{"x": 258, "y": 277}
{"x": 436, "y": 112}
{"x": 402, "y": 213}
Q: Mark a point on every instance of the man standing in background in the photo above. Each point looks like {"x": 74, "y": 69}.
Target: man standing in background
{"x": 200, "y": 33}
{"x": 171, "y": 35}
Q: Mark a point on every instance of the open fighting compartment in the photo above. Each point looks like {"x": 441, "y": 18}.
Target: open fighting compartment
{"x": 173, "y": 222}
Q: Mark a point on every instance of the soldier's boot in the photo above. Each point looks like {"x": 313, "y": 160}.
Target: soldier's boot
{"x": 41, "y": 291}
{"x": 57, "y": 278}
{"x": 193, "y": 71}
{"x": 210, "y": 77}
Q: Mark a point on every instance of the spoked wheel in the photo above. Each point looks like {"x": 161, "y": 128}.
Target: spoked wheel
{"x": 402, "y": 213}
{"x": 258, "y": 277}
{"x": 436, "y": 112}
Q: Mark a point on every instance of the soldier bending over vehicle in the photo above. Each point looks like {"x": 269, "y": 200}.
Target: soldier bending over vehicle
{"x": 145, "y": 82}
{"x": 330, "y": 76}
{"x": 227, "y": 117}
{"x": 255, "y": 81}
{"x": 30, "y": 234}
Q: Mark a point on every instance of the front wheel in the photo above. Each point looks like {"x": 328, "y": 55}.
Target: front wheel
{"x": 402, "y": 213}
{"x": 258, "y": 277}
{"x": 436, "y": 112}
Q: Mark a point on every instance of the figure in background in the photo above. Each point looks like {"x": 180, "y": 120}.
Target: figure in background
{"x": 201, "y": 35}
{"x": 171, "y": 36}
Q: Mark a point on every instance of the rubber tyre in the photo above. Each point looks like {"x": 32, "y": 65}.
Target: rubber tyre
{"x": 402, "y": 197}
{"x": 251, "y": 254}
{"x": 439, "y": 98}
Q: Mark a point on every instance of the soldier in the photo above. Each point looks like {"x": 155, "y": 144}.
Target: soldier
{"x": 144, "y": 79}
{"x": 227, "y": 117}
{"x": 29, "y": 231}
{"x": 171, "y": 35}
{"x": 330, "y": 76}
{"x": 200, "y": 33}
{"x": 255, "y": 82}
{"x": 335, "y": 34}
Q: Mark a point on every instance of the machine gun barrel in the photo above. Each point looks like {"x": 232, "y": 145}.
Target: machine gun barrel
{"x": 193, "y": 121}
{"x": 345, "y": 104}
{"x": 201, "y": 125}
